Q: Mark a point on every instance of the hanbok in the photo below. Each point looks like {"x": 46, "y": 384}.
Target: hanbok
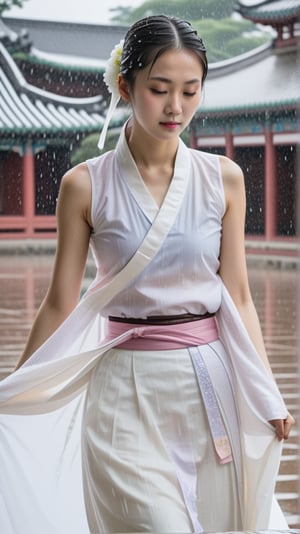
{"x": 49, "y": 420}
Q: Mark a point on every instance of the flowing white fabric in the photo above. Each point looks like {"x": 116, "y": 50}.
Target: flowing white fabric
{"x": 41, "y": 454}
{"x": 258, "y": 399}
{"x": 151, "y": 467}
{"x": 41, "y": 407}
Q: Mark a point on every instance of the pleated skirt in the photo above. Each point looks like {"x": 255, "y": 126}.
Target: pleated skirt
{"x": 149, "y": 463}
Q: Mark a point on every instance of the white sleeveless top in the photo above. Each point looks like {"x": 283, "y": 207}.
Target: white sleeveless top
{"x": 182, "y": 276}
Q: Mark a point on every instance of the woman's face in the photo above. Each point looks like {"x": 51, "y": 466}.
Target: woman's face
{"x": 165, "y": 96}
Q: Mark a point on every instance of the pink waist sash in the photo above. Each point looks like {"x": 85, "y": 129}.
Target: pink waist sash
{"x": 164, "y": 337}
{"x": 190, "y": 335}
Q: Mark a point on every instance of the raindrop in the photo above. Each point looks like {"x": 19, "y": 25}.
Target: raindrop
{"x": 125, "y": 506}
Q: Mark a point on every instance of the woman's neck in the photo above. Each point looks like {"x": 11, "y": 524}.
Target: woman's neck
{"x": 150, "y": 152}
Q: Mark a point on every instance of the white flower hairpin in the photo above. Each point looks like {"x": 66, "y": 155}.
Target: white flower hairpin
{"x": 111, "y": 79}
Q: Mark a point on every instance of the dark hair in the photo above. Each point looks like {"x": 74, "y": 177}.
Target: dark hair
{"x": 150, "y": 37}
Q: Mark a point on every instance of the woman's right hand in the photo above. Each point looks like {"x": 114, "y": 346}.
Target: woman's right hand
{"x": 283, "y": 426}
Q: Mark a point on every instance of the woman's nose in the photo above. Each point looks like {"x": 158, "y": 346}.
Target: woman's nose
{"x": 174, "y": 104}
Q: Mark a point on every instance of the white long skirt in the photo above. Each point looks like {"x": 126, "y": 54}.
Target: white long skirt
{"x": 149, "y": 464}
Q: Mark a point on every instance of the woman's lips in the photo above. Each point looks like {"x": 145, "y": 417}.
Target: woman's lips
{"x": 170, "y": 125}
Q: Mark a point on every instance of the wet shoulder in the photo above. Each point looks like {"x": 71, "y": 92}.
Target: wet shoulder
{"x": 77, "y": 179}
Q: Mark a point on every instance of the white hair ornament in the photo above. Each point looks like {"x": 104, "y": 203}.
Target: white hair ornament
{"x": 111, "y": 79}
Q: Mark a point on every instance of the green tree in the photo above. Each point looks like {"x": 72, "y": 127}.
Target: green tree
{"x": 88, "y": 147}
{"x": 5, "y": 5}
{"x": 227, "y": 38}
{"x": 191, "y": 10}
{"x": 224, "y": 37}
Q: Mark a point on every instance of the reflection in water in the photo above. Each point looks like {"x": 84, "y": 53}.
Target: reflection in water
{"x": 23, "y": 283}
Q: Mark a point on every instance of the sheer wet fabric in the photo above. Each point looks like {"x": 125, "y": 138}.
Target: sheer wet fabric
{"x": 41, "y": 405}
{"x": 149, "y": 462}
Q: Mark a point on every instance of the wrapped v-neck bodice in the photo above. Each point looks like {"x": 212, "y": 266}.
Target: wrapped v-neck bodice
{"x": 182, "y": 277}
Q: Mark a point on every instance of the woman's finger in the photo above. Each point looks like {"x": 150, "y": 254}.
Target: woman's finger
{"x": 288, "y": 424}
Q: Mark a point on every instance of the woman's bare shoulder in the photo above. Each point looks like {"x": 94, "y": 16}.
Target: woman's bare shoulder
{"x": 76, "y": 191}
{"x": 78, "y": 178}
{"x": 233, "y": 182}
{"x": 232, "y": 173}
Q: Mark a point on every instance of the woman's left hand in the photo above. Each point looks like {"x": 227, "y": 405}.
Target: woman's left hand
{"x": 283, "y": 426}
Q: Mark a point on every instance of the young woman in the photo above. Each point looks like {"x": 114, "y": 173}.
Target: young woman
{"x": 182, "y": 421}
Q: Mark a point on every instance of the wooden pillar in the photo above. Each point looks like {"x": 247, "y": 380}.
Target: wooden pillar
{"x": 29, "y": 190}
{"x": 270, "y": 187}
{"x": 229, "y": 145}
{"x": 279, "y": 29}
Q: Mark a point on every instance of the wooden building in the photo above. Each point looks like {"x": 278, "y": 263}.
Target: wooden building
{"x": 49, "y": 102}
{"x": 51, "y": 99}
{"x": 250, "y": 113}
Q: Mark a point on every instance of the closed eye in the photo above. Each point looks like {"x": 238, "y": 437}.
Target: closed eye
{"x": 189, "y": 94}
{"x": 157, "y": 92}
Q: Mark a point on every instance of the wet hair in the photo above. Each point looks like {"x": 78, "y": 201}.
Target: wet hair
{"x": 152, "y": 36}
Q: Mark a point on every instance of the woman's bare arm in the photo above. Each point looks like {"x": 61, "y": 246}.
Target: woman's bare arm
{"x": 74, "y": 227}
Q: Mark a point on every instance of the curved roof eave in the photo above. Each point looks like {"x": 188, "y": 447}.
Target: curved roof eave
{"x": 27, "y": 110}
{"x": 269, "y": 12}
{"x": 240, "y": 61}
{"x": 65, "y": 62}
{"x": 272, "y": 80}
{"x": 250, "y": 108}
{"x": 45, "y": 95}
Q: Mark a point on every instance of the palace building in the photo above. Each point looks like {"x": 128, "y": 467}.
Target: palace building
{"x": 52, "y": 95}
{"x": 48, "y": 104}
{"x": 250, "y": 114}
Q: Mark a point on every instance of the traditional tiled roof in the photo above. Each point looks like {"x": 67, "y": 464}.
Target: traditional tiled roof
{"x": 27, "y": 110}
{"x": 258, "y": 80}
{"x": 270, "y": 11}
{"x": 88, "y": 41}
{"x": 64, "y": 62}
